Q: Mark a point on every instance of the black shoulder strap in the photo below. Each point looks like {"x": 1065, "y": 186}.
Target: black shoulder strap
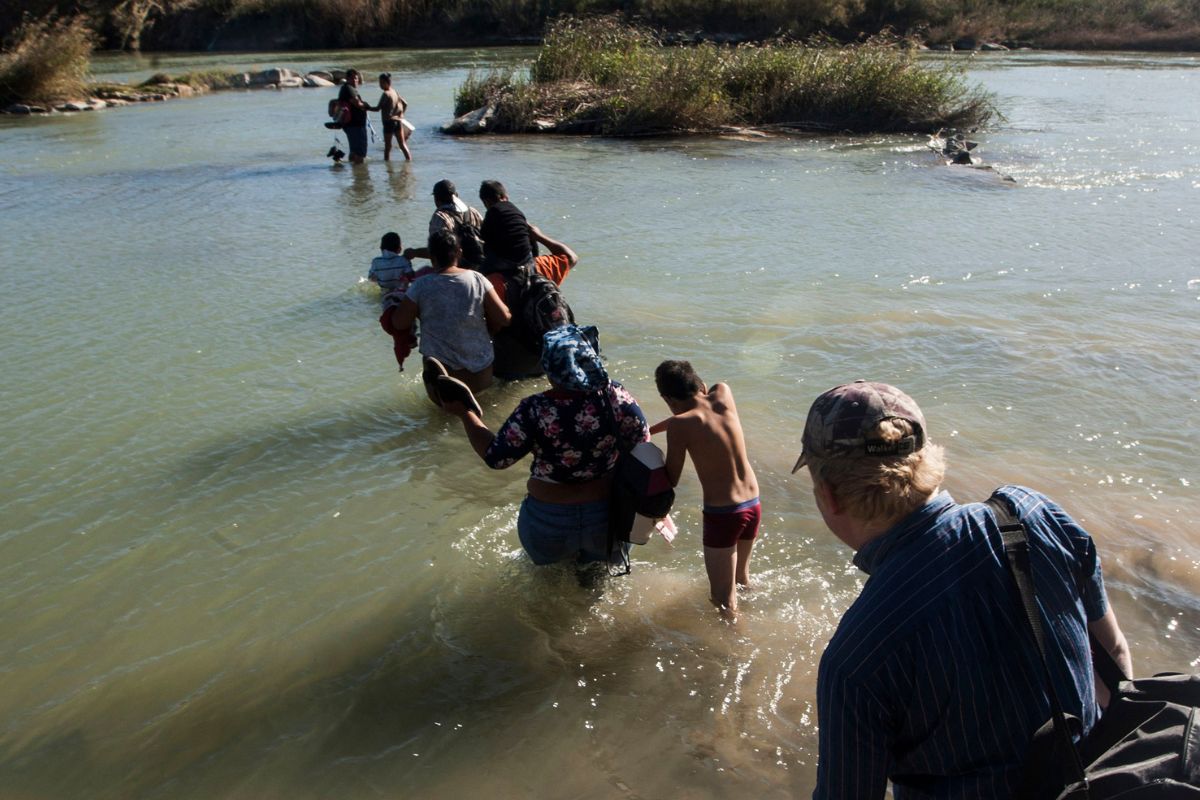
{"x": 1106, "y": 666}
{"x": 1016, "y": 551}
{"x": 624, "y": 567}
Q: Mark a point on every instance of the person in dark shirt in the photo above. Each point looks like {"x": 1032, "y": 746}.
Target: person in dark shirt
{"x": 514, "y": 359}
{"x": 506, "y": 243}
{"x": 356, "y": 128}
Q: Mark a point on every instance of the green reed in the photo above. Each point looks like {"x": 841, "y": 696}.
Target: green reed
{"x": 599, "y": 75}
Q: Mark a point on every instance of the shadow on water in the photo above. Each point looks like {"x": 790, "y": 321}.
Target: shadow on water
{"x": 360, "y": 197}
{"x": 283, "y": 451}
{"x": 358, "y": 305}
{"x": 461, "y": 677}
{"x": 36, "y": 769}
{"x": 357, "y": 194}
{"x": 150, "y": 189}
{"x": 395, "y": 681}
{"x": 400, "y": 180}
{"x": 393, "y": 436}
{"x": 195, "y": 174}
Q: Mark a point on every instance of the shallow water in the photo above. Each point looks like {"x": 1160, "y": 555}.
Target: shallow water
{"x": 241, "y": 557}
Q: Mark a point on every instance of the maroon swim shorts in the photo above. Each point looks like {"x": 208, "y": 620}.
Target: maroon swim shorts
{"x": 724, "y": 526}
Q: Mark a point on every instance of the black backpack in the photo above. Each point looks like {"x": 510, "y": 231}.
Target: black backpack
{"x": 1146, "y": 744}
{"x": 470, "y": 239}
{"x": 640, "y": 487}
{"x": 339, "y": 114}
{"x": 537, "y": 305}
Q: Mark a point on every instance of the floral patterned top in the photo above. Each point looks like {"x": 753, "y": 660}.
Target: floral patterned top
{"x": 570, "y": 433}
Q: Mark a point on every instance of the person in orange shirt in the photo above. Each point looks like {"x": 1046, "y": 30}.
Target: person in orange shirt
{"x": 555, "y": 266}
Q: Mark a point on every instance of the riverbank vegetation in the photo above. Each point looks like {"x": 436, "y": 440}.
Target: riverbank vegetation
{"x": 293, "y": 24}
{"x": 599, "y": 75}
{"x": 46, "y": 60}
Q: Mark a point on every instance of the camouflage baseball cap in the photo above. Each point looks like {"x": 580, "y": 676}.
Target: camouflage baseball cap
{"x": 839, "y": 420}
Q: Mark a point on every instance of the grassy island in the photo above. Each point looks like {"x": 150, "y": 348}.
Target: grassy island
{"x": 606, "y": 77}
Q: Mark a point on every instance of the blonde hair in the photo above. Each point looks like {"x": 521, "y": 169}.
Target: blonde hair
{"x": 872, "y": 488}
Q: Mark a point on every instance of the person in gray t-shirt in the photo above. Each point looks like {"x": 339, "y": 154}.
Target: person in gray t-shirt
{"x": 459, "y": 310}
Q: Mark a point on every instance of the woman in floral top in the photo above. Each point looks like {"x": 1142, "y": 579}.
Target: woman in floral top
{"x": 575, "y": 431}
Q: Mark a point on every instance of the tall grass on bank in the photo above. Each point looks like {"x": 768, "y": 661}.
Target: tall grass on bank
{"x": 46, "y": 60}
{"x": 600, "y": 75}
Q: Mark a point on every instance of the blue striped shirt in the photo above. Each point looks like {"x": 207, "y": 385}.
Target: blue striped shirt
{"x": 391, "y": 271}
{"x": 931, "y": 678}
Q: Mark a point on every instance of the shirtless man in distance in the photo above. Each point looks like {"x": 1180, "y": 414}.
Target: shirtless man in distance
{"x": 706, "y": 426}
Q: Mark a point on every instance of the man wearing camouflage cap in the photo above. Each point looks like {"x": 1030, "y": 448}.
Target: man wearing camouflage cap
{"x": 931, "y": 679}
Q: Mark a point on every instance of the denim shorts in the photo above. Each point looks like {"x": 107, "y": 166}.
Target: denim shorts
{"x": 553, "y": 532}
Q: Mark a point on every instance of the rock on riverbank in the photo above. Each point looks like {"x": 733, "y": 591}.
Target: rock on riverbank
{"x": 164, "y": 87}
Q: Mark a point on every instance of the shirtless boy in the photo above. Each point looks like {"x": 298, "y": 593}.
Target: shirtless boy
{"x": 705, "y": 425}
{"x": 391, "y": 108}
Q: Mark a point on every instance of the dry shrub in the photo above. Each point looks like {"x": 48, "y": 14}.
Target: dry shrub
{"x": 479, "y": 90}
{"x": 46, "y": 60}
{"x": 681, "y": 89}
{"x": 602, "y": 50}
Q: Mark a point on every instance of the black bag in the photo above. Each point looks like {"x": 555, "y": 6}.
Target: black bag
{"x": 537, "y": 305}
{"x": 640, "y": 488}
{"x": 1146, "y": 744}
{"x": 339, "y": 114}
{"x": 470, "y": 240}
